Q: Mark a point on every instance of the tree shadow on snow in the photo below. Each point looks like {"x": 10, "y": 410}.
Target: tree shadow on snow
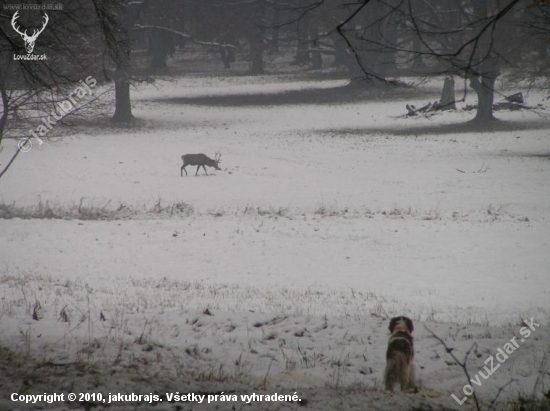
{"x": 526, "y": 154}
{"x": 467, "y": 127}
{"x": 335, "y": 95}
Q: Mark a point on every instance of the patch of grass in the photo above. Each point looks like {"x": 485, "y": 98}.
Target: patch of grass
{"x": 272, "y": 212}
{"x": 88, "y": 210}
{"x": 529, "y": 404}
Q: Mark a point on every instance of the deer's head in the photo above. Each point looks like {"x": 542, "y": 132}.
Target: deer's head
{"x": 217, "y": 160}
{"x": 29, "y": 40}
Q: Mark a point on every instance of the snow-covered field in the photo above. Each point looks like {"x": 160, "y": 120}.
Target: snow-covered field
{"x": 280, "y": 272}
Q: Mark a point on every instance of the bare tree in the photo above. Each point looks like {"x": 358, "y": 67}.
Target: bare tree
{"x": 70, "y": 49}
{"x": 117, "y": 19}
{"x": 23, "y": 80}
{"x": 256, "y": 33}
{"x": 469, "y": 38}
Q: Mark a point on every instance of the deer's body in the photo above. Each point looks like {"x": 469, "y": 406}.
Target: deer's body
{"x": 199, "y": 160}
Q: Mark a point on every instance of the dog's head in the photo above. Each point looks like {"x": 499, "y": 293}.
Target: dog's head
{"x": 401, "y": 323}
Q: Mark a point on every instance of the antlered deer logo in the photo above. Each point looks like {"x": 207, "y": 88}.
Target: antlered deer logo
{"x": 29, "y": 40}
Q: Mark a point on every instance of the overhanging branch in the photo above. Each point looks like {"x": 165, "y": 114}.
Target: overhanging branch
{"x": 185, "y": 36}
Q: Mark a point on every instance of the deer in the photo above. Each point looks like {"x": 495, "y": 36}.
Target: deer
{"x": 29, "y": 40}
{"x": 200, "y": 160}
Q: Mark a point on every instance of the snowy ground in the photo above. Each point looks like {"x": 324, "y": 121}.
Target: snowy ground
{"x": 278, "y": 273}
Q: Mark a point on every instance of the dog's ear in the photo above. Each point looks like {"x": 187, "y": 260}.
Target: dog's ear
{"x": 393, "y": 321}
{"x": 409, "y": 323}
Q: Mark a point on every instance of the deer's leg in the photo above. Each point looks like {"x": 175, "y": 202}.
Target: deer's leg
{"x": 203, "y": 166}
{"x": 182, "y": 170}
{"x": 198, "y": 168}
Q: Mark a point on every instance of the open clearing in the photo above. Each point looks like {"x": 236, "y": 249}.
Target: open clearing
{"x": 278, "y": 273}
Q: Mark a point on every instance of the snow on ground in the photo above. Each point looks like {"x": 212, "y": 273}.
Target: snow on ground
{"x": 281, "y": 271}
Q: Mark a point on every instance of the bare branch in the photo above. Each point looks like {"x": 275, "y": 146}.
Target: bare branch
{"x": 462, "y": 363}
{"x": 185, "y": 36}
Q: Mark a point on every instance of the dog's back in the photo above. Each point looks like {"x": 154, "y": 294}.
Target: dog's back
{"x": 401, "y": 342}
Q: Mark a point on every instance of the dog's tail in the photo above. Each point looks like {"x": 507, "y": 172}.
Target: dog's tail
{"x": 390, "y": 376}
{"x": 397, "y": 371}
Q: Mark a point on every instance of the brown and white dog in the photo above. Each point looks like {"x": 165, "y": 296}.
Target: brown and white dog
{"x": 399, "y": 357}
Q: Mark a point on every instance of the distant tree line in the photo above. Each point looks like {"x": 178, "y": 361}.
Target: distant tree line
{"x": 380, "y": 40}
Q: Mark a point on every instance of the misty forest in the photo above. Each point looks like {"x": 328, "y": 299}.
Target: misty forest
{"x": 275, "y": 205}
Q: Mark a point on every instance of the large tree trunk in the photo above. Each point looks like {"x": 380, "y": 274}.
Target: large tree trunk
{"x": 274, "y": 44}
{"x": 484, "y": 86}
{"x": 421, "y": 10}
{"x": 302, "y": 46}
{"x": 230, "y": 51}
{"x": 418, "y": 65}
{"x": 3, "y": 122}
{"x": 342, "y": 55}
{"x": 448, "y": 101}
{"x": 256, "y": 54}
{"x": 123, "y": 106}
{"x": 256, "y": 38}
{"x": 227, "y": 54}
{"x": 372, "y": 32}
{"x": 390, "y": 28}
{"x": 486, "y": 66}
{"x": 225, "y": 57}
{"x": 4, "y": 118}
{"x": 160, "y": 47}
{"x": 316, "y": 56}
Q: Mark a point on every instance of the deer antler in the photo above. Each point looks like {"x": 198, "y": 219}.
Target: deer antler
{"x": 24, "y": 34}
{"x": 37, "y": 32}
{"x": 218, "y": 156}
{"x": 29, "y": 40}
{"x": 13, "y": 19}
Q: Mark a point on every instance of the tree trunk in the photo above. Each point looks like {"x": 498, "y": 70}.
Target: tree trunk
{"x": 158, "y": 61}
{"x": 256, "y": 54}
{"x": 227, "y": 54}
{"x": 123, "y": 48}
{"x": 274, "y": 45}
{"x": 342, "y": 56}
{"x": 373, "y": 32}
{"x": 4, "y": 118}
{"x": 257, "y": 40}
{"x": 230, "y": 51}
{"x": 379, "y": 31}
{"x": 160, "y": 47}
{"x": 390, "y": 28}
{"x": 316, "y": 56}
{"x": 225, "y": 58}
{"x": 448, "y": 101}
{"x": 486, "y": 65}
{"x": 123, "y": 106}
{"x": 302, "y": 46}
{"x": 3, "y": 122}
{"x": 418, "y": 64}
{"x": 484, "y": 88}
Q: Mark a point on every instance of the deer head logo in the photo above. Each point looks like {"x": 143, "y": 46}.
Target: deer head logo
{"x": 29, "y": 40}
